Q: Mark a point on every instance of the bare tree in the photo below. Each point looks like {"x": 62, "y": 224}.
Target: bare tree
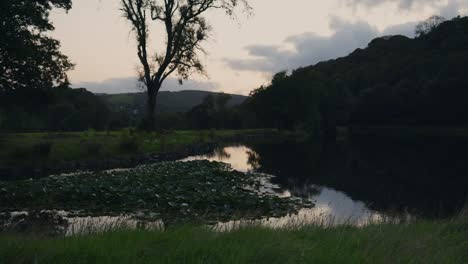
{"x": 185, "y": 28}
{"x": 429, "y": 25}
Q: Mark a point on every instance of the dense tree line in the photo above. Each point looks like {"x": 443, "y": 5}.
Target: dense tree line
{"x": 66, "y": 109}
{"x": 57, "y": 109}
{"x": 396, "y": 80}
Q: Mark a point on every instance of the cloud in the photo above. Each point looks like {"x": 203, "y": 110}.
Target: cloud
{"x": 452, "y": 8}
{"x": 309, "y": 48}
{"x": 445, "y": 8}
{"x": 403, "y": 4}
{"x": 406, "y": 29}
{"x": 131, "y": 85}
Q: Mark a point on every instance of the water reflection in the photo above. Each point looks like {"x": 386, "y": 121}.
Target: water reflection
{"x": 52, "y": 223}
{"x": 362, "y": 181}
{"x": 95, "y": 225}
{"x": 331, "y": 207}
{"x": 241, "y": 158}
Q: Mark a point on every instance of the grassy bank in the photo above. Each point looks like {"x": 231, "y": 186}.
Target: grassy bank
{"x": 423, "y": 242}
{"x": 48, "y": 148}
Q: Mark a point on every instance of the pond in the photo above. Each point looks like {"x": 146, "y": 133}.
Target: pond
{"x": 354, "y": 182}
{"x": 358, "y": 182}
{"x": 332, "y": 207}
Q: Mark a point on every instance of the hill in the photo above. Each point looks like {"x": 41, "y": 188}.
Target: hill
{"x": 167, "y": 102}
{"x": 394, "y": 81}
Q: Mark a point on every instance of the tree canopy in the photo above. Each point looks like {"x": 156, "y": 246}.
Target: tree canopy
{"x": 28, "y": 57}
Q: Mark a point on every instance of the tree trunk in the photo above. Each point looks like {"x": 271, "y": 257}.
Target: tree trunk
{"x": 150, "y": 116}
{"x": 151, "y": 106}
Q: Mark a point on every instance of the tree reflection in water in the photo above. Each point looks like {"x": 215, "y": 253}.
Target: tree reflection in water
{"x": 393, "y": 177}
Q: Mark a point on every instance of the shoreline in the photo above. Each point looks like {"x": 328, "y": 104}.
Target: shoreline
{"x": 101, "y": 163}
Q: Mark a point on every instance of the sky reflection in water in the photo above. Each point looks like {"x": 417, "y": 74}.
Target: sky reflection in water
{"x": 332, "y": 207}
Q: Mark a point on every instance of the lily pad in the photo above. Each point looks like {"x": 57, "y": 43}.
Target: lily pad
{"x": 173, "y": 191}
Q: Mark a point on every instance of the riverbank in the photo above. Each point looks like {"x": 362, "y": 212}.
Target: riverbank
{"x": 32, "y": 155}
{"x": 422, "y": 242}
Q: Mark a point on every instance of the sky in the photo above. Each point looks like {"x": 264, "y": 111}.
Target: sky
{"x": 242, "y": 53}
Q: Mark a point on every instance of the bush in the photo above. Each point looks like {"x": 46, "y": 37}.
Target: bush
{"x": 42, "y": 149}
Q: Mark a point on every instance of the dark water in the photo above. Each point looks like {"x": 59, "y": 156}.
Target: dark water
{"x": 351, "y": 182}
{"x": 361, "y": 181}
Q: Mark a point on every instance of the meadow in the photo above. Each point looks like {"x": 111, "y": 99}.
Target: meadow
{"x": 20, "y": 149}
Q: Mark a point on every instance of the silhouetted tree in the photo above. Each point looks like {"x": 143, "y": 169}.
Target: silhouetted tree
{"x": 214, "y": 112}
{"x": 429, "y": 25}
{"x": 186, "y": 28}
{"x": 278, "y": 77}
{"x": 29, "y": 58}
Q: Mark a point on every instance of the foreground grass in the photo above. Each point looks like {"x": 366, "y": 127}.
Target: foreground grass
{"x": 18, "y": 149}
{"x": 423, "y": 242}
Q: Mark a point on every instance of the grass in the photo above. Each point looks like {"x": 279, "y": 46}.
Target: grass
{"x": 18, "y": 148}
{"x": 422, "y": 242}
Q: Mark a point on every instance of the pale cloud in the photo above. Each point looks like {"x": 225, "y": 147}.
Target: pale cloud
{"x": 403, "y": 4}
{"x": 406, "y": 29}
{"x": 445, "y": 8}
{"x": 309, "y": 48}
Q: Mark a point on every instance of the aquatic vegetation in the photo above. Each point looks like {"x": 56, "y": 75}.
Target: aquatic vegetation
{"x": 171, "y": 191}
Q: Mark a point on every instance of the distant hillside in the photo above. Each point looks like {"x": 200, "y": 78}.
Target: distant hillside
{"x": 168, "y": 102}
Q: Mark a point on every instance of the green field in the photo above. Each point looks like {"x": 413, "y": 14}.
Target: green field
{"x": 43, "y": 148}
{"x": 423, "y": 242}
{"x": 31, "y": 148}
